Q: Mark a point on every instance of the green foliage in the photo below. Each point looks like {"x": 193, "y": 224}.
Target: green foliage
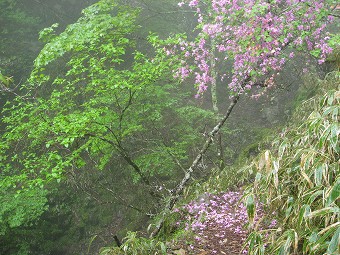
{"x": 18, "y": 26}
{"x": 5, "y": 81}
{"x": 134, "y": 245}
{"x": 87, "y": 106}
{"x": 78, "y": 103}
{"x": 49, "y": 127}
{"x": 334, "y": 42}
{"x": 10, "y": 11}
{"x": 20, "y": 208}
{"x": 298, "y": 180}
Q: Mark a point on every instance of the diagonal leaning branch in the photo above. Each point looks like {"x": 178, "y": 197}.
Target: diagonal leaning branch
{"x": 176, "y": 193}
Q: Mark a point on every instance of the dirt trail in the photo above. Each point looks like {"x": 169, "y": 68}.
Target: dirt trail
{"x": 218, "y": 223}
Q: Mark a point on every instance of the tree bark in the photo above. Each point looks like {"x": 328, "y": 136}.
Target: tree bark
{"x": 179, "y": 189}
{"x": 117, "y": 241}
{"x": 213, "y": 74}
{"x": 220, "y": 151}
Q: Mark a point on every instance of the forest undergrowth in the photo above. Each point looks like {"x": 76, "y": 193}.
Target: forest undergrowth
{"x": 283, "y": 201}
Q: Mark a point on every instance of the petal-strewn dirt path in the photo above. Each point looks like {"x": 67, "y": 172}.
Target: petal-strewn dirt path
{"x": 218, "y": 223}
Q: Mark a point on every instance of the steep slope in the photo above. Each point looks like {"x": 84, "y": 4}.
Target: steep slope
{"x": 284, "y": 201}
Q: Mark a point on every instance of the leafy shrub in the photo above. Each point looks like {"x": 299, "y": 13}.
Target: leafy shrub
{"x": 134, "y": 245}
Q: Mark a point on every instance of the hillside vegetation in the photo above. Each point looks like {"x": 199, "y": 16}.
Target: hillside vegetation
{"x": 162, "y": 121}
{"x": 290, "y": 202}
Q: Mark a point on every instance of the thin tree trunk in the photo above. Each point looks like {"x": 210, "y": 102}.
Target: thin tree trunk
{"x": 117, "y": 241}
{"x": 220, "y": 151}
{"x": 179, "y": 189}
{"x": 213, "y": 75}
{"x": 213, "y": 88}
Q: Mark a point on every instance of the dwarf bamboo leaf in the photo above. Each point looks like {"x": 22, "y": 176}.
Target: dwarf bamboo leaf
{"x": 333, "y": 246}
{"x": 334, "y": 194}
{"x": 250, "y": 203}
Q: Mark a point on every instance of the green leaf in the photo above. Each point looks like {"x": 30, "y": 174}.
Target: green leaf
{"x": 334, "y": 243}
{"x": 334, "y": 194}
{"x": 250, "y": 203}
{"x": 324, "y": 212}
{"x": 318, "y": 173}
{"x": 304, "y": 213}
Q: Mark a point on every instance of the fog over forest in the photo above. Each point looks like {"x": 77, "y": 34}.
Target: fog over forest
{"x": 141, "y": 126}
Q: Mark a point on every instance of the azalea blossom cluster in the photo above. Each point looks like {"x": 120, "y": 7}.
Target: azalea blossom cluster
{"x": 257, "y": 36}
{"x": 223, "y": 212}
